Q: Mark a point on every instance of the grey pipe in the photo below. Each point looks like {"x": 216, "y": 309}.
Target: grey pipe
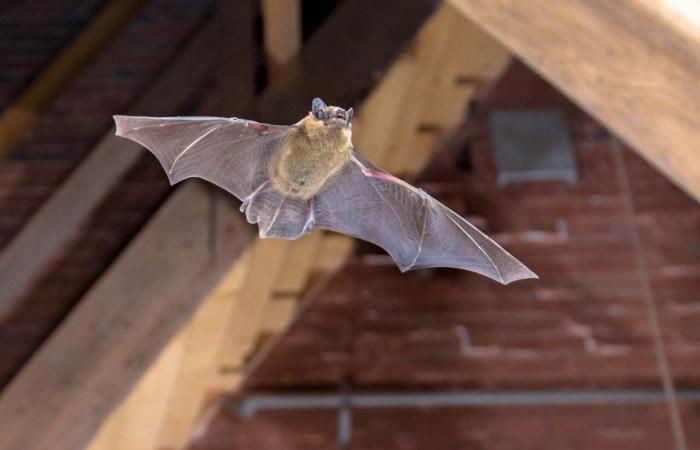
{"x": 254, "y": 402}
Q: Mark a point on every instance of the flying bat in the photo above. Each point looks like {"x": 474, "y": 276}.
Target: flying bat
{"x": 294, "y": 178}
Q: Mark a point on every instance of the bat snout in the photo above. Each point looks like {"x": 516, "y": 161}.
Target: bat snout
{"x": 339, "y": 116}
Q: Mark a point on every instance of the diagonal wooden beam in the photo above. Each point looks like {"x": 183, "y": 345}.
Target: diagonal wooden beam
{"x": 109, "y": 366}
{"x": 120, "y": 326}
{"x": 23, "y": 114}
{"x": 336, "y": 57}
{"x": 633, "y": 64}
{"x": 282, "y": 39}
{"x": 242, "y": 319}
{"x": 58, "y": 222}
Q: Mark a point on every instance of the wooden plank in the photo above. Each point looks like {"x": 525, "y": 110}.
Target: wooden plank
{"x": 58, "y": 222}
{"x": 238, "y": 60}
{"x": 199, "y": 369}
{"x": 428, "y": 49}
{"x": 343, "y": 57}
{"x": 201, "y": 343}
{"x": 199, "y": 340}
{"x": 118, "y": 329}
{"x": 468, "y": 54}
{"x": 133, "y": 423}
{"x": 334, "y": 248}
{"x": 282, "y": 39}
{"x": 238, "y": 342}
{"x": 272, "y": 316}
{"x": 23, "y": 114}
{"x": 266, "y": 267}
{"x": 451, "y": 37}
{"x": 631, "y": 63}
{"x": 213, "y": 338}
{"x": 265, "y": 304}
{"x": 301, "y": 258}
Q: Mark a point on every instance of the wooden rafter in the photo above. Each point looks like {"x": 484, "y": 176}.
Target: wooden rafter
{"x": 336, "y": 58}
{"x": 22, "y": 115}
{"x": 120, "y": 326}
{"x": 261, "y": 294}
{"x": 633, "y": 64}
{"x": 282, "y": 32}
{"x": 107, "y": 371}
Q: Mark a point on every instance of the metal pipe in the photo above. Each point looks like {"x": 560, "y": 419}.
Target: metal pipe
{"x": 254, "y": 402}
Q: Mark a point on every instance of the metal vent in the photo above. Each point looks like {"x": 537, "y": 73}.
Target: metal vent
{"x": 532, "y": 145}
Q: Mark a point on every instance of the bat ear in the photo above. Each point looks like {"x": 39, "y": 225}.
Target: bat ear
{"x": 349, "y": 113}
{"x": 317, "y": 107}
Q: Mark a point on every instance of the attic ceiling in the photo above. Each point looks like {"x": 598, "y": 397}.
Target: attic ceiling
{"x": 326, "y": 315}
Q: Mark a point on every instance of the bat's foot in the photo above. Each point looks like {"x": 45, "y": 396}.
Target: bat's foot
{"x": 244, "y": 205}
{"x": 309, "y": 227}
{"x": 248, "y": 199}
{"x": 310, "y": 221}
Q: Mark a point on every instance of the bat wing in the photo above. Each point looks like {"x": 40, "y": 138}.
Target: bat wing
{"x": 232, "y": 153}
{"x": 414, "y": 228}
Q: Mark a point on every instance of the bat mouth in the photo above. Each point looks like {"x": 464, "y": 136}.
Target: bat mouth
{"x": 340, "y": 117}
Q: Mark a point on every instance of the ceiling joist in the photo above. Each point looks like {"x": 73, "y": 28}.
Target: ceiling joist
{"x": 242, "y": 319}
{"x": 633, "y": 64}
{"x": 94, "y": 391}
{"x": 103, "y": 348}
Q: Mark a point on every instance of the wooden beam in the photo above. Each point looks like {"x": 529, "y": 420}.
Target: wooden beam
{"x": 282, "y": 39}
{"x": 633, "y": 64}
{"x": 258, "y": 298}
{"x": 58, "y": 222}
{"x": 23, "y": 114}
{"x": 184, "y": 387}
{"x": 344, "y": 56}
{"x": 96, "y": 387}
{"x": 454, "y": 49}
{"x": 238, "y": 60}
{"x": 380, "y": 112}
{"x": 141, "y": 412}
{"x": 117, "y": 330}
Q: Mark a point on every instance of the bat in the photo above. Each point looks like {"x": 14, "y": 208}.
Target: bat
{"x": 294, "y": 178}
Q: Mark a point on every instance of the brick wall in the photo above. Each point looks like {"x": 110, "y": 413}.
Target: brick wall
{"x": 31, "y": 32}
{"x": 583, "y": 324}
{"x": 618, "y": 427}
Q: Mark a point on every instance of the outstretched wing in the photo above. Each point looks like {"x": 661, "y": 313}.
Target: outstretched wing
{"x": 414, "y": 228}
{"x": 232, "y": 153}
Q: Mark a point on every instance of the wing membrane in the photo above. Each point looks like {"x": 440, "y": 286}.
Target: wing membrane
{"x": 414, "y": 228}
{"x": 232, "y": 153}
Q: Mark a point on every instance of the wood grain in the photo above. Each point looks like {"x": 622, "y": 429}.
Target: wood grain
{"x": 282, "y": 39}
{"x": 633, "y": 64}
{"x": 252, "y": 285}
{"x": 104, "y": 346}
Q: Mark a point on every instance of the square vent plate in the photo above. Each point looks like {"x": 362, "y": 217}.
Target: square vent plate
{"x": 532, "y": 145}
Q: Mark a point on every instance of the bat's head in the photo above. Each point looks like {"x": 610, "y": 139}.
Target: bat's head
{"x": 331, "y": 115}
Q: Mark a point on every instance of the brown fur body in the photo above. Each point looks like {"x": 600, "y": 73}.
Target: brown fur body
{"x": 313, "y": 152}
